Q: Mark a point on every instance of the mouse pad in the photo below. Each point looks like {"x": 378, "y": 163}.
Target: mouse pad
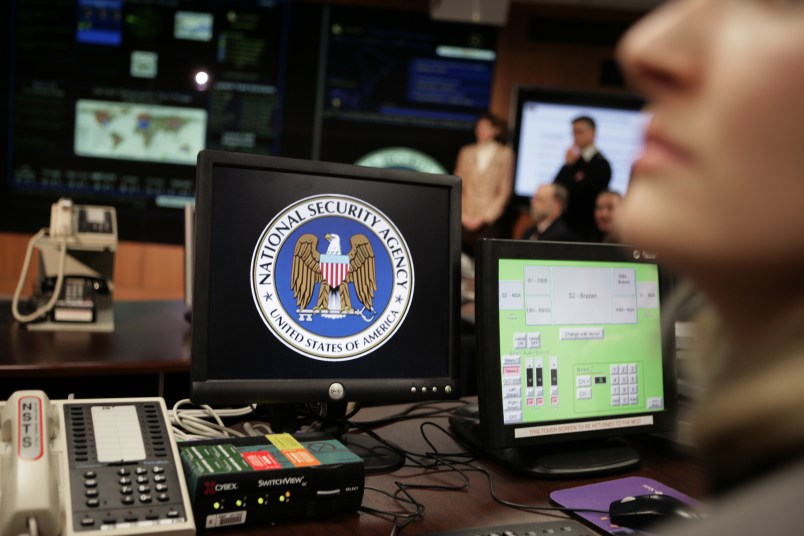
{"x": 599, "y": 496}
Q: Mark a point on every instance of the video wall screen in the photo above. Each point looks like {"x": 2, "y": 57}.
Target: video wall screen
{"x": 111, "y": 100}
{"x": 402, "y": 90}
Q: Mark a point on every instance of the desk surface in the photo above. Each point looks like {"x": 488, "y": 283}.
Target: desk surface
{"x": 154, "y": 337}
{"x": 148, "y": 337}
{"x": 473, "y": 506}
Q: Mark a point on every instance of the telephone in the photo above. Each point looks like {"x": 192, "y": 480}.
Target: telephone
{"x": 75, "y": 269}
{"x": 86, "y": 467}
{"x": 83, "y": 226}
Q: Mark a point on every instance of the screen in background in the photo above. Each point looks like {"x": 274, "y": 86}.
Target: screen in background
{"x": 317, "y": 282}
{"x": 399, "y": 80}
{"x": 571, "y": 342}
{"x": 111, "y": 100}
{"x": 544, "y": 133}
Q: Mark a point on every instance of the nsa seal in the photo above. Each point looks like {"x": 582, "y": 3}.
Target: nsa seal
{"x": 332, "y": 277}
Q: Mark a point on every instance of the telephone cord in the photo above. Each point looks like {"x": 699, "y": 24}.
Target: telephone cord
{"x": 26, "y": 264}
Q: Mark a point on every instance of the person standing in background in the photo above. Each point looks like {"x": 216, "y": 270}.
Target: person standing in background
{"x": 585, "y": 173}
{"x": 486, "y": 169}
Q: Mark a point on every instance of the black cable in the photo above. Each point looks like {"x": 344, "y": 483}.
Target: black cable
{"x": 419, "y": 508}
{"x": 439, "y": 462}
{"x": 505, "y": 502}
{"x": 421, "y": 460}
{"x": 432, "y": 460}
{"x": 407, "y": 413}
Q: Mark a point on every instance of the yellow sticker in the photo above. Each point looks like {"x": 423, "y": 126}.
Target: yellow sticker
{"x": 292, "y": 450}
{"x": 284, "y": 441}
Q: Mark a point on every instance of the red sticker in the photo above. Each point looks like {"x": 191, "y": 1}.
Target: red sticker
{"x": 261, "y": 460}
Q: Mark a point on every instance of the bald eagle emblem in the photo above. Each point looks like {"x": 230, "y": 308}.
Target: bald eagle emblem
{"x": 332, "y": 277}
{"x": 334, "y": 271}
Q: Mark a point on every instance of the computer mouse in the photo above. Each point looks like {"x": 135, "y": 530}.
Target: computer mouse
{"x": 646, "y": 510}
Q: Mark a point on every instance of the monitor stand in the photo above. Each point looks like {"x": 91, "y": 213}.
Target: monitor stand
{"x": 562, "y": 460}
{"x": 377, "y": 456}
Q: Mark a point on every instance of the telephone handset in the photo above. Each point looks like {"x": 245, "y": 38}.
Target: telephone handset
{"x": 70, "y": 467}
{"x": 83, "y": 226}
{"x": 29, "y": 497}
{"x": 61, "y": 218}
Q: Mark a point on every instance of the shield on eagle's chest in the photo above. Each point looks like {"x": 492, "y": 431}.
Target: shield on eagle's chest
{"x": 334, "y": 269}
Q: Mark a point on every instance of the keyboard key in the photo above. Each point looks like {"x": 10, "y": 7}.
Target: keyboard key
{"x": 566, "y": 527}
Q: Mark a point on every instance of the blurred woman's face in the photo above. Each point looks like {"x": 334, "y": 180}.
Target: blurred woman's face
{"x": 485, "y": 130}
{"x": 722, "y": 176}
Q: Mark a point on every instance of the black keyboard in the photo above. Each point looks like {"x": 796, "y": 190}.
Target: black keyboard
{"x": 563, "y": 527}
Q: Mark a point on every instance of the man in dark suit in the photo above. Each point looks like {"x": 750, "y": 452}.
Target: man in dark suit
{"x": 546, "y": 209}
{"x": 585, "y": 173}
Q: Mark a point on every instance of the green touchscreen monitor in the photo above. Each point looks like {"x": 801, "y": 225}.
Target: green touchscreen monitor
{"x": 570, "y": 349}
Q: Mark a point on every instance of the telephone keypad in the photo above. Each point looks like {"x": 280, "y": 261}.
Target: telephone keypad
{"x": 143, "y": 487}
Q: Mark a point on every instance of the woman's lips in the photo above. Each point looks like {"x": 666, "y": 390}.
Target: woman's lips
{"x": 661, "y": 153}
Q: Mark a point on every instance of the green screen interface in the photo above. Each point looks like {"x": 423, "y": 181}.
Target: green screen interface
{"x": 578, "y": 340}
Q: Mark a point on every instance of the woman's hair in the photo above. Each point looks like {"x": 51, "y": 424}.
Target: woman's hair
{"x": 499, "y": 124}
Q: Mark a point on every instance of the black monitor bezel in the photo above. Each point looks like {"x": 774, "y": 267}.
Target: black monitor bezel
{"x": 495, "y": 434}
{"x": 212, "y": 391}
